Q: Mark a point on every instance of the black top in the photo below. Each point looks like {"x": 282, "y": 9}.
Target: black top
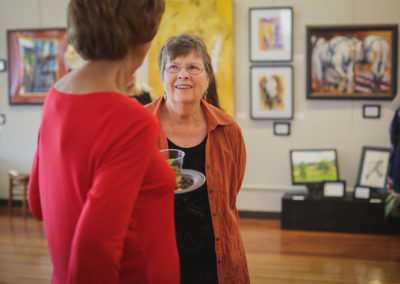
{"x": 144, "y": 98}
{"x": 194, "y": 231}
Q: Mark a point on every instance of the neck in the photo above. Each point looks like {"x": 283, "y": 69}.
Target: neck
{"x": 182, "y": 113}
{"x": 113, "y": 74}
{"x": 102, "y": 75}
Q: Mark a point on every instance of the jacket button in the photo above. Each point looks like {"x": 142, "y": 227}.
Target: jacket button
{"x": 208, "y": 166}
{"x": 214, "y": 214}
{"x": 211, "y": 190}
{"x": 217, "y": 239}
{"x": 219, "y": 261}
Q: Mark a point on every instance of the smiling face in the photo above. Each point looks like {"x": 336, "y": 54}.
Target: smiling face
{"x": 185, "y": 79}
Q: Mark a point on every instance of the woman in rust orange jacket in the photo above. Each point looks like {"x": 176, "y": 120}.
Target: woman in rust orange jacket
{"x": 208, "y": 236}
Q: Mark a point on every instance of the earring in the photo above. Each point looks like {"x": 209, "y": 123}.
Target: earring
{"x": 165, "y": 96}
{"x": 205, "y": 95}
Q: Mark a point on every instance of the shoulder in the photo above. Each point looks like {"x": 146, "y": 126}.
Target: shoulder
{"x": 219, "y": 118}
{"x": 132, "y": 114}
{"x": 155, "y": 106}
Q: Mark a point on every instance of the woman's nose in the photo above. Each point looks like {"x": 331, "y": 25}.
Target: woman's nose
{"x": 183, "y": 73}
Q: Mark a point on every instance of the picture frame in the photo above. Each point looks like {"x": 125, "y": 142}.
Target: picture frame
{"x": 374, "y": 166}
{"x": 314, "y": 166}
{"x": 334, "y": 189}
{"x": 35, "y": 63}
{"x": 271, "y": 92}
{"x": 281, "y": 128}
{"x": 372, "y": 111}
{"x": 271, "y": 34}
{"x": 352, "y": 62}
{"x": 3, "y": 65}
{"x": 362, "y": 192}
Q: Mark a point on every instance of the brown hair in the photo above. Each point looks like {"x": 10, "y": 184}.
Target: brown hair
{"x": 184, "y": 44}
{"x": 107, "y": 29}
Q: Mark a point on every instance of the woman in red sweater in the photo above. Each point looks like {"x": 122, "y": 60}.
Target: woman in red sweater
{"x": 98, "y": 181}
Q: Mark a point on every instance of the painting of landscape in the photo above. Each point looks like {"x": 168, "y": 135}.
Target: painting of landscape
{"x": 313, "y": 166}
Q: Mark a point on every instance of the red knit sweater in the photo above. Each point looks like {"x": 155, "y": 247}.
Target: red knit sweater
{"x": 103, "y": 191}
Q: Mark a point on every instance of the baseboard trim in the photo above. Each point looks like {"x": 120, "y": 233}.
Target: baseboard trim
{"x": 15, "y": 203}
{"x": 259, "y": 214}
{"x": 242, "y": 213}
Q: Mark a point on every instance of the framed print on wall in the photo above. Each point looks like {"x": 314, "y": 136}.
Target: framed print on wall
{"x": 35, "y": 62}
{"x": 352, "y": 62}
{"x": 271, "y": 92}
{"x": 271, "y": 34}
{"x": 374, "y": 167}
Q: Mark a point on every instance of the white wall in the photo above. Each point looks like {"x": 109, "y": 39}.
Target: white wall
{"x": 317, "y": 123}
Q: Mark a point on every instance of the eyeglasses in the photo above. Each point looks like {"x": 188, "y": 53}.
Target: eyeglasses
{"x": 191, "y": 69}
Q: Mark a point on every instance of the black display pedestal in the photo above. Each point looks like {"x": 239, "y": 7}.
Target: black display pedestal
{"x": 305, "y": 212}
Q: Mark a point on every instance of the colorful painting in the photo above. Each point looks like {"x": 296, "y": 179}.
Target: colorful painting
{"x": 352, "y": 62}
{"x": 271, "y": 92}
{"x": 36, "y": 62}
{"x": 313, "y": 166}
{"x": 271, "y": 34}
{"x": 212, "y": 20}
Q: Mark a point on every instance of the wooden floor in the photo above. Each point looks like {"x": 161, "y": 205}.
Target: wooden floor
{"x": 274, "y": 255}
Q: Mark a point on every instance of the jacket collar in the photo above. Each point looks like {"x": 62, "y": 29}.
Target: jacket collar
{"x": 214, "y": 115}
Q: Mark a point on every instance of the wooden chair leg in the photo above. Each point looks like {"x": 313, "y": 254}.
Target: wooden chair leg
{"x": 24, "y": 207}
{"x": 10, "y": 198}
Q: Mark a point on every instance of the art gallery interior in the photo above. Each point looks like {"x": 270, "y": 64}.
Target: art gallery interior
{"x": 347, "y": 126}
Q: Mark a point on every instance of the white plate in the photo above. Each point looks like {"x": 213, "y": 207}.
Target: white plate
{"x": 198, "y": 180}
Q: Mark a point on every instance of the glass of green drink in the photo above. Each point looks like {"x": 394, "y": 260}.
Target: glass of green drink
{"x": 174, "y": 158}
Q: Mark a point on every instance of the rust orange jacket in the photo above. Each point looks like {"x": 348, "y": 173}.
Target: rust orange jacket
{"x": 225, "y": 166}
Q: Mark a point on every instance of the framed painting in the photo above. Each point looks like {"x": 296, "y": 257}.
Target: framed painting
{"x": 271, "y": 34}
{"x": 212, "y": 21}
{"x": 271, "y": 92}
{"x": 374, "y": 167}
{"x": 352, "y": 62}
{"x": 35, "y": 62}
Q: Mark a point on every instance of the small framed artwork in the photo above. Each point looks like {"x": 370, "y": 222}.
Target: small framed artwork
{"x": 362, "y": 192}
{"x": 271, "y": 34}
{"x": 282, "y": 128}
{"x": 3, "y": 65}
{"x": 374, "y": 167}
{"x": 271, "y": 92}
{"x": 372, "y": 111}
{"x": 35, "y": 63}
{"x": 352, "y": 62}
{"x": 334, "y": 188}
